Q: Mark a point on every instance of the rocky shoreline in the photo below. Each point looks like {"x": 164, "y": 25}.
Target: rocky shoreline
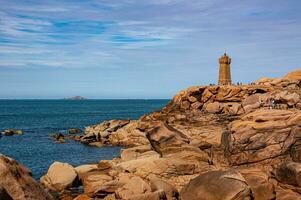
{"x": 209, "y": 142}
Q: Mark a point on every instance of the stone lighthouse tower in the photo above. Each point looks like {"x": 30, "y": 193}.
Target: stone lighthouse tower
{"x": 224, "y": 70}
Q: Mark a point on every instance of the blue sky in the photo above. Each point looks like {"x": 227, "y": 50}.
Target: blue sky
{"x": 141, "y": 48}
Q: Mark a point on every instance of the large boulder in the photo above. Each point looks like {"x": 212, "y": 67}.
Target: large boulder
{"x": 214, "y": 107}
{"x": 94, "y": 182}
{"x": 134, "y": 186}
{"x": 17, "y": 183}
{"x": 59, "y": 176}
{"x": 164, "y": 136}
{"x": 82, "y": 170}
{"x": 217, "y": 185}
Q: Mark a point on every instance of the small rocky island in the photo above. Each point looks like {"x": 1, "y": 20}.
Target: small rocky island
{"x": 225, "y": 142}
{"x": 76, "y": 98}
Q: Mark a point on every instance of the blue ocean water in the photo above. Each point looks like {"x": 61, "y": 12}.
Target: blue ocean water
{"x": 40, "y": 118}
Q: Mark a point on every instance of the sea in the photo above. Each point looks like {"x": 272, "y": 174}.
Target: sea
{"x": 38, "y": 119}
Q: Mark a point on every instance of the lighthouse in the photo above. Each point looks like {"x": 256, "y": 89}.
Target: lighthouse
{"x": 224, "y": 70}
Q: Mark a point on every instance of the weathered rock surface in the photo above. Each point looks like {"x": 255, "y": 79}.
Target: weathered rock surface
{"x": 82, "y": 170}
{"x": 261, "y": 135}
{"x": 17, "y": 183}
{"x": 259, "y": 182}
{"x": 134, "y": 186}
{"x": 217, "y": 185}
{"x": 59, "y": 176}
{"x": 94, "y": 182}
{"x": 163, "y": 136}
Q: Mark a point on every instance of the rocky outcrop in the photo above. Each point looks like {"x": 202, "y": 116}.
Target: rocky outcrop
{"x": 115, "y": 132}
{"x": 237, "y": 100}
{"x": 58, "y": 137}
{"x": 74, "y": 130}
{"x": 60, "y": 176}
{"x": 209, "y": 142}
{"x": 17, "y": 183}
{"x": 294, "y": 75}
{"x": 261, "y": 135}
{"x": 234, "y": 100}
{"x": 10, "y": 132}
{"x": 279, "y": 83}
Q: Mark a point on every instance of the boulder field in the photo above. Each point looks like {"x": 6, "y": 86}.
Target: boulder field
{"x": 209, "y": 143}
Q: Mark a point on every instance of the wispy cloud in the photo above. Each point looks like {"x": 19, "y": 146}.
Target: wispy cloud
{"x": 173, "y": 35}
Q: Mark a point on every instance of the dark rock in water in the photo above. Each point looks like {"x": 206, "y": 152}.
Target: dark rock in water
{"x": 59, "y": 137}
{"x": 215, "y": 185}
{"x": 74, "y": 130}
{"x": 17, "y": 183}
{"x": 10, "y": 132}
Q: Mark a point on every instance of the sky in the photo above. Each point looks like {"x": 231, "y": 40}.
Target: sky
{"x": 141, "y": 48}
